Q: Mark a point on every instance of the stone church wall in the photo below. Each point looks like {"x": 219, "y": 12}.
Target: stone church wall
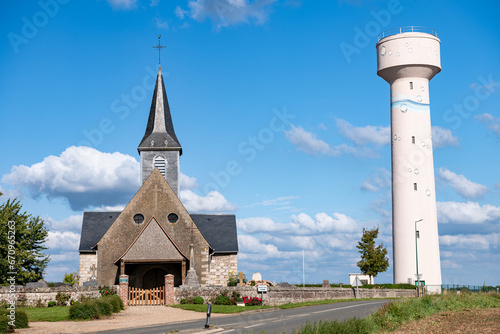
{"x": 283, "y": 295}
{"x": 45, "y": 295}
{"x": 87, "y": 260}
{"x": 221, "y": 266}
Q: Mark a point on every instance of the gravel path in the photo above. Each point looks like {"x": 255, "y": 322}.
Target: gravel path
{"x": 136, "y": 316}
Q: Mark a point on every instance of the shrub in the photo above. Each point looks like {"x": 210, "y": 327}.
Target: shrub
{"x": 62, "y": 298}
{"x": 184, "y": 301}
{"x": 4, "y": 304}
{"x": 84, "y": 311}
{"x": 51, "y": 304}
{"x": 21, "y": 321}
{"x": 107, "y": 291}
{"x": 223, "y": 299}
{"x": 198, "y": 300}
{"x": 115, "y": 302}
{"x": 22, "y": 301}
{"x": 252, "y": 301}
{"x": 104, "y": 305}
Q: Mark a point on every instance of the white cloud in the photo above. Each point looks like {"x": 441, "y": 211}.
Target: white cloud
{"x": 252, "y": 245}
{"x": 492, "y": 122}
{"x": 187, "y": 182}
{"x": 82, "y": 175}
{"x": 63, "y": 240}
{"x": 462, "y": 185}
{"x": 467, "y": 213}
{"x": 283, "y": 200}
{"x": 72, "y": 223}
{"x": 322, "y": 223}
{"x": 378, "y": 135}
{"x": 213, "y": 202}
{"x": 225, "y": 13}
{"x": 381, "y": 180}
{"x": 443, "y": 137}
{"x": 123, "y": 4}
{"x": 161, "y": 24}
{"x": 10, "y": 194}
{"x": 180, "y": 13}
{"x": 257, "y": 225}
{"x": 471, "y": 241}
{"x": 64, "y": 257}
{"x": 308, "y": 143}
{"x": 450, "y": 265}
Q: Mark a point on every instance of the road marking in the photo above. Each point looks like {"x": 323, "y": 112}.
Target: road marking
{"x": 228, "y": 331}
{"x": 341, "y": 308}
{"x": 254, "y": 325}
{"x": 302, "y": 315}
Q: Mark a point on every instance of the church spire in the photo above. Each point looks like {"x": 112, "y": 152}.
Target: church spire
{"x": 160, "y": 134}
{"x": 160, "y": 148}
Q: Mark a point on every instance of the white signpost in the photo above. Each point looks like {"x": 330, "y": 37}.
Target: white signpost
{"x": 262, "y": 289}
{"x": 358, "y": 283}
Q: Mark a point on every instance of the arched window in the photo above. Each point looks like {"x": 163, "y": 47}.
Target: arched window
{"x": 138, "y": 218}
{"x": 161, "y": 164}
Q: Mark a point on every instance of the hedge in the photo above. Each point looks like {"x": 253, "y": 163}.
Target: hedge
{"x": 94, "y": 308}
{"x": 21, "y": 321}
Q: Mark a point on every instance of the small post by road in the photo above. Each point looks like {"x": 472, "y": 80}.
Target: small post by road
{"x": 209, "y": 311}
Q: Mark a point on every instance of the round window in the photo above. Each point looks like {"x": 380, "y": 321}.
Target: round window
{"x": 173, "y": 218}
{"x": 138, "y": 218}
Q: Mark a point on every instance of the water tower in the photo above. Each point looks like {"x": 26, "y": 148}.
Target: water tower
{"x": 407, "y": 58}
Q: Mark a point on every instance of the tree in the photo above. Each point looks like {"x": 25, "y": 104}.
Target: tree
{"x": 22, "y": 239}
{"x": 71, "y": 279}
{"x": 373, "y": 259}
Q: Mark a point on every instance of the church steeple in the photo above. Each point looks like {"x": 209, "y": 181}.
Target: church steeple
{"x": 160, "y": 147}
{"x": 160, "y": 132}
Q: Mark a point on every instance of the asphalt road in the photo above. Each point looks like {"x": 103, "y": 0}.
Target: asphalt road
{"x": 272, "y": 322}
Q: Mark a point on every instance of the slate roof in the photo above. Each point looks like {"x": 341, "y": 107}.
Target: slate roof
{"x": 219, "y": 230}
{"x": 94, "y": 225}
{"x": 158, "y": 106}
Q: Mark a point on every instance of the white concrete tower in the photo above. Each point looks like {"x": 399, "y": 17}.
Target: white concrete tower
{"x": 407, "y": 58}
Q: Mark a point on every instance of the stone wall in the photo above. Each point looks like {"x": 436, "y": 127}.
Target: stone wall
{"x": 87, "y": 260}
{"x": 221, "y": 266}
{"x": 282, "y": 295}
{"x": 45, "y": 295}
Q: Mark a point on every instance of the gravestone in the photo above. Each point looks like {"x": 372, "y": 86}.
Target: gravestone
{"x": 256, "y": 277}
{"x": 90, "y": 283}
{"x": 326, "y": 283}
{"x": 241, "y": 277}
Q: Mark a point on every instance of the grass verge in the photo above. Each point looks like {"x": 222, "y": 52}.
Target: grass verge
{"x": 56, "y": 313}
{"x": 391, "y": 316}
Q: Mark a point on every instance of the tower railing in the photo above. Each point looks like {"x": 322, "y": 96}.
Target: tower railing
{"x": 401, "y": 30}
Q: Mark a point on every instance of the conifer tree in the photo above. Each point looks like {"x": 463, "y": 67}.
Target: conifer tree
{"x": 373, "y": 259}
{"x": 22, "y": 239}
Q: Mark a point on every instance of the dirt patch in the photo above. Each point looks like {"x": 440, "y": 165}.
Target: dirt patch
{"x": 136, "y": 316}
{"x": 468, "y": 321}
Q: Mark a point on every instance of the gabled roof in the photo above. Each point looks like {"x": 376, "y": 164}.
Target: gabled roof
{"x": 94, "y": 225}
{"x": 153, "y": 234}
{"x": 219, "y": 231}
{"x": 160, "y": 134}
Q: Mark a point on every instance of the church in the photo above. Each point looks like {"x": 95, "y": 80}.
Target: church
{"x": 154, "y": 235}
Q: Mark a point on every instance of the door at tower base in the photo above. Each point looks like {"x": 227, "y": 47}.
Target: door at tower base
{"x": 407, "y": 61}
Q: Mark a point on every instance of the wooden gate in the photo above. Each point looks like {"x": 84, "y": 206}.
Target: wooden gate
{"x": 154, "y": 296}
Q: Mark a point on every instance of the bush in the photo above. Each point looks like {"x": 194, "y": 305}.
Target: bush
{"x": 62, "y": 298}
{"x": 252, "y": 301}
{"x": 21, "y": 321}
{"x": 223, "y": 299}
{"x": 51, "y": 304}
{"x": 115, "y": 302}
{"x": 107, "y": 291}
{"x": 184, "y": 301}
{"x": 84, "y": 311}
{"x": 198, "y": 300}
{"x": 104, "y": 305}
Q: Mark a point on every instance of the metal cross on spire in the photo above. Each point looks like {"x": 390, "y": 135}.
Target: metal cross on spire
{"x": 159, "y": 47}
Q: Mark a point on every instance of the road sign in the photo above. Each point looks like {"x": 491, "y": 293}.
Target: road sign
{"x": 358, "y": 281}
{"x": 261, "y": 288}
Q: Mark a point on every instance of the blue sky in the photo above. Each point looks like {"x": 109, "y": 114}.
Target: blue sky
{"x": 281, "y": 115}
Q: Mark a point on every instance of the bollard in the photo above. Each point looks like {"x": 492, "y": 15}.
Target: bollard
{"x": 209, "y": 310}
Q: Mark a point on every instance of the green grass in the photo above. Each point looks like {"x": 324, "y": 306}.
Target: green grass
{"x": 393, "y": 315}
{"x": 56, "y": 313}
{"x": 219, "y": 308}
